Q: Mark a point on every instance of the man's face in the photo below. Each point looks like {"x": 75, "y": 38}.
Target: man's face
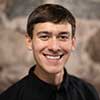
{"x": 52, "y": 45}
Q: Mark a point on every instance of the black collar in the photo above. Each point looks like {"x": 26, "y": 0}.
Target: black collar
{"x": 64, "y": 84}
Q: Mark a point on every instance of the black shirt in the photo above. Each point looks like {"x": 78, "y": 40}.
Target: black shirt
{"x": 32, "y": 88}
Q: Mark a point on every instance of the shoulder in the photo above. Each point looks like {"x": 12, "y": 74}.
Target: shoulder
{"x": 83, "y": 87}
{"x": 14, "y": 91}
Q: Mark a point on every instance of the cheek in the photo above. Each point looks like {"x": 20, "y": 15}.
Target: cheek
{"x": 67, "y": 46}
{"x": 37, "y": 46}
{"x": 36, "y": 51}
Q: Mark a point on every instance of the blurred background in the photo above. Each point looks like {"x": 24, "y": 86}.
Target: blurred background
{"x": 15, "y": 59}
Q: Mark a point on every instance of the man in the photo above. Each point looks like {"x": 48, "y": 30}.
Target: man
{"x": 51, "y": 37}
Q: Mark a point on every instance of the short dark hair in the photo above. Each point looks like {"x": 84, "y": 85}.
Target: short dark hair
{"x": 50, "y": 13}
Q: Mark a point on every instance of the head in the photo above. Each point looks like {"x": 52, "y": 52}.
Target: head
{"x": 51, "y": 37}
{"x": 50, "y": 13}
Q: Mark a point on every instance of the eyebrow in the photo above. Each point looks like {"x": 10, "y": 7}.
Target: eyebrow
{"x": 64, "y": 33}
{"x": 43, "y": 32}
{"x": 48, "y": 33}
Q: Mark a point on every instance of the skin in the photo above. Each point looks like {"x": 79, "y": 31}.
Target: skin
{"x": 51, "y": 45}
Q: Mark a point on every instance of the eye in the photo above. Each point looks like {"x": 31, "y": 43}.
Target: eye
{"x": 44, "y": 37}
{"x": 63, "y": 37}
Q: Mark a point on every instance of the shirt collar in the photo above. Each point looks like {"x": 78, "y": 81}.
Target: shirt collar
{"x": 64, "y": 84}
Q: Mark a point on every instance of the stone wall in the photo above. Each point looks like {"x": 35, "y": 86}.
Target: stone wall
{"x": 15, "y": 59}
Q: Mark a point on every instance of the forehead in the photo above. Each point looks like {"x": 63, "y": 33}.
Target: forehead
{"x": 52, "y": 27}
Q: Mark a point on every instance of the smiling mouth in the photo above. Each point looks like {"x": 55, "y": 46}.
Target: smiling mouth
{"x": 53, "y": 57}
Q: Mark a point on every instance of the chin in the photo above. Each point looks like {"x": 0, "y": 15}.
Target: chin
{"x": 54, "y": 70}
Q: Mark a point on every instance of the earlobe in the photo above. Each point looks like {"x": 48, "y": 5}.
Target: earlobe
{"x": 28, "y": 41}
{"x": 74, "y": 43}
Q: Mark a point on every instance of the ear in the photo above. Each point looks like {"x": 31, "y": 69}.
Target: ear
{"x": 28, "y": 41}
{"x": 74, "y": 43}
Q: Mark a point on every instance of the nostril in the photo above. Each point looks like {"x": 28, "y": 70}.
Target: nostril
{"x": 54, "y": 51}
{"x": 53, "y": 45}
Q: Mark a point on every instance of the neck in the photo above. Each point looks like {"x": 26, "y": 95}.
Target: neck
{"x": 54, "y": 79}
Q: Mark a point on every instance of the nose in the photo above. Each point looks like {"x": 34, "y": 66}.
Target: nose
{"x": 54, "y": 45}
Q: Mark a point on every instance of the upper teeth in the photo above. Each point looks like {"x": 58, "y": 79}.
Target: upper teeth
{"x": 53, "y": 57}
